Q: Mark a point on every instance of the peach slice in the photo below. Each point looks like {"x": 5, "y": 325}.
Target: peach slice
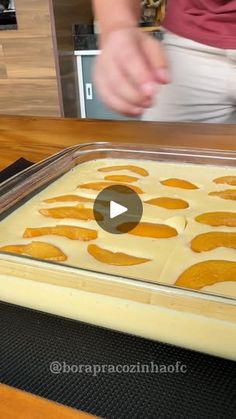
{"x": 178, "y": 183}
{"x": 68, "y": 198}
{"x": 155, "y": 231}
{"x": 229, "y": 194}
{"x": 77, "y": 213}
{"x": 37, "y": 250}
{"x": 70, "y": 232}
{"x": 114, "y": 258}
{"x": 217, "y": 219}
{"x": 207, "y": 273}
{"x": 98, "y": 186}
{"x": 168, "y": 203}
{"x": 229, "y": 180}
{"x": 121, "y": 178}
{"x": 135, "y": 169}
{"x": 212, "y": 240}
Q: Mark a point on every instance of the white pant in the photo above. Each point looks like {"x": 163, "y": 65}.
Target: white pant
{"x": 203, "y": 87}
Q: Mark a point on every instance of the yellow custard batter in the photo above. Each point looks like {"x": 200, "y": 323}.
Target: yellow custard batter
{"x": 185, "y": 187}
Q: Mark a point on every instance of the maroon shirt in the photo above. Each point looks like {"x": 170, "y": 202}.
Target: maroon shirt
{"x": 210, "y": 22}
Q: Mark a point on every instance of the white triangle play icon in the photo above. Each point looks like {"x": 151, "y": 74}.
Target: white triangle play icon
{"x": 116, "y": 209}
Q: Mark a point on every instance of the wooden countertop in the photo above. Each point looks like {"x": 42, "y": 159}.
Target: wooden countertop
{"x": 21, "y": 405}
{"x": 37, "y": 138}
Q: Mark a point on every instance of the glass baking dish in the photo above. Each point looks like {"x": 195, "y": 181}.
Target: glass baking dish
{"x": 198, "y": 320}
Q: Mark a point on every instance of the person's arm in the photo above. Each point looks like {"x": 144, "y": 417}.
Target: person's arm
{"x": 132, "y": 63}
{"x": 115, "y": 15}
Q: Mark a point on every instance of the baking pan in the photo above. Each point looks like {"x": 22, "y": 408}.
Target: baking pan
{"x": 202, "y": 321}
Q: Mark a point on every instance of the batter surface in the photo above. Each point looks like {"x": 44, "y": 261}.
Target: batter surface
{"x": 57, "y": 224}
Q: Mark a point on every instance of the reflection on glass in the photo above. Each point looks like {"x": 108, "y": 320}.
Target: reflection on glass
{"x": 7, "y": 15}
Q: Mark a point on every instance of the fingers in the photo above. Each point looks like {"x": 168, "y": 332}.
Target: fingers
{"x": 145, "y": 64}
{"x": 117, "y": 92}
{"x": 136, "y": 67}
{"x": 117, "y": 82}
{"x": 128, "y": 72}
{"x": 117, "y": 103}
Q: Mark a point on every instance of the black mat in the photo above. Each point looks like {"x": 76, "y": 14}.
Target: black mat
{"x": 31, "y": 343}
{"x": 14, "y": 168}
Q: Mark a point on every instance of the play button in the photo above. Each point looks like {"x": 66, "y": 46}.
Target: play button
{"x": 118, "y": 209}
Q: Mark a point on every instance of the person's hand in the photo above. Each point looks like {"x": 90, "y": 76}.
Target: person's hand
{"x": 129, "y": 69}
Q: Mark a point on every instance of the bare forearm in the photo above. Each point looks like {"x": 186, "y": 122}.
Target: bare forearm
{"x": 115, "y": 15}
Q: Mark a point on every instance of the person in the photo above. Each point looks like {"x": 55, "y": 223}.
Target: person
{"x": 190, "y": 76}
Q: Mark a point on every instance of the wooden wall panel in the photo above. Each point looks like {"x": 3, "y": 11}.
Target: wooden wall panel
{"x": 66, "y": 14}
{"x": 36, "y": 62}
{"x": 3, "y": 71}
{"x": 29, "y": 97}
{"x": 28, "y": 79}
